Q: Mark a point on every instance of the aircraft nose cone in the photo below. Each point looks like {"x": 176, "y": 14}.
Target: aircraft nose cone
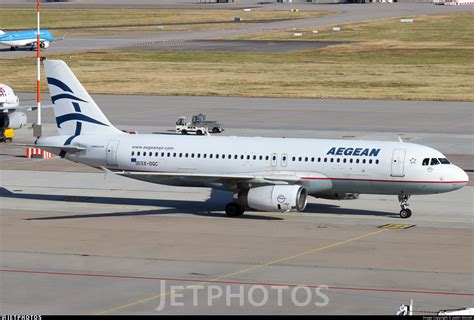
{"x": 460, "y": 177}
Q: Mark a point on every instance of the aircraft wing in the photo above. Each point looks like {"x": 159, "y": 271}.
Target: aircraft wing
{"x": 226, "y": 181}
{"x": 25, "y": 108}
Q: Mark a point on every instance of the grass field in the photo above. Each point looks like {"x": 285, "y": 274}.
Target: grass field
{"x": 121, "y": 18}
{"x": 416, "y": 64}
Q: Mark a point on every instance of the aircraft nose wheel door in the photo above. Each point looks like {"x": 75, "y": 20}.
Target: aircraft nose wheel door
{"x": 111, "y": 155}
{"x": 398, "y": 163}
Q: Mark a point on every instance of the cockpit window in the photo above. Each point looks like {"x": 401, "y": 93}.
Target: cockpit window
{"x": 426, "y": 162}
{"x": 444, "y": 161}
{"x": 434, "y": 161}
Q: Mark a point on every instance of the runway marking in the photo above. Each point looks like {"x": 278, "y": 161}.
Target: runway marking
{"x": 91, "y": 275}
{"x": 272, "y": 262}
{"x": 397, "y": 226}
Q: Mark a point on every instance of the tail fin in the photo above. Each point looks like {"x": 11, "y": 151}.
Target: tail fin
{"x": 75, "y": 111}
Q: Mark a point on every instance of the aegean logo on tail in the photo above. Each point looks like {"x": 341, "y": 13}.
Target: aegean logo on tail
{"x": 341, "y": 151}
{"x": 70, "y": 116}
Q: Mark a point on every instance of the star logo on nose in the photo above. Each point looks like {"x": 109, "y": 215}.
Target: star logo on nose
{"x": 412, "y": 160}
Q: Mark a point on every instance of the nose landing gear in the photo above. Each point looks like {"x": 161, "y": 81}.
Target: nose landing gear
{"x": 405, "y": 212}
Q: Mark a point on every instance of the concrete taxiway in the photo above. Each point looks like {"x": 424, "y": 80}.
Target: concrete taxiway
{"x": 74, "y": 240}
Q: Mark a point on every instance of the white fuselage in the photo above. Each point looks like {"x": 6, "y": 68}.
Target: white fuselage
{"x": 325, "y": 167}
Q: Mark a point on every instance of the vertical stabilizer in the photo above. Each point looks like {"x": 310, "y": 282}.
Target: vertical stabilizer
{"x": 75, "y": 111}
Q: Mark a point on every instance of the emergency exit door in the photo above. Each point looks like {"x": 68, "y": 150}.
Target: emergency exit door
{"x": 111, "y": 155}
{"x": 398, "y": 163}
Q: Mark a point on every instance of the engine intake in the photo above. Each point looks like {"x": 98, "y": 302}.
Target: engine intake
{"x": 14, "y": 120}
{"x": 275, "y": 198}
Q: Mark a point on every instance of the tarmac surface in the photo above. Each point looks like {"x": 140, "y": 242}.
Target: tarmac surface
{"x": 75, "y": 240}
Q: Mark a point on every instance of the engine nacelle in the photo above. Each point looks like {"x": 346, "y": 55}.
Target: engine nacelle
{"x": 14, "y": 120}
{"x": 45, "y": 44}
{"x": 339, "y": 196}
{"x": 275, "y": 198}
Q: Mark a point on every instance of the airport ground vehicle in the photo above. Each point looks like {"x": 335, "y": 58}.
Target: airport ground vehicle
{"x": 184, "y": 125}
{"x": 197, "y": 123}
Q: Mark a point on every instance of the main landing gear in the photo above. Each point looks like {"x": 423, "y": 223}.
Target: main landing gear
{"x": 405, "y": 212}
{"x": 234, "y": 209}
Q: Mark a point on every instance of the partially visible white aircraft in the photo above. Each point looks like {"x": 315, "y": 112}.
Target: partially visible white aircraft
{"x": 269, "y": 174}
{"x": 10, "y": 117}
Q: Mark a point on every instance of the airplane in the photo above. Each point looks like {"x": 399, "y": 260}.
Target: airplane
{"x": 10, "y": 117}
{"x": 26, "y": 39}
{"x": 11, "y": 112}
{"x": 266, "y": 174}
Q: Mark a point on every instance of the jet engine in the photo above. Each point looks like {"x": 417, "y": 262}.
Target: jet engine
{"x": 45, "y": 44}
{"x": 14, "y": 120}
{"x": 275, "y": 198}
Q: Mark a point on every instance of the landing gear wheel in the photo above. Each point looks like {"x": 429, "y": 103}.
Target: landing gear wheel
{"x": 234, "y": 210}
{"x": 405, "y": 213}
{"x": 12, "y": 48}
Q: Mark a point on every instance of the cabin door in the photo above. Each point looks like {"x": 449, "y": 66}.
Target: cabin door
{"x": 398, "y": 163}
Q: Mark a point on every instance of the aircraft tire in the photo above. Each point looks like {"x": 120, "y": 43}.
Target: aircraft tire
{"x": 234, "y": 210}
{"x": 405, "y": 213}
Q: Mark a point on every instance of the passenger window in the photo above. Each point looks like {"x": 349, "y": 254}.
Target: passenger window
{"x": 186, "y": 155}
{"x": 204, "y": 155}
{"x": 138, "y": 153}
{"x": 370, "y": 161}
{"x": 236, "y": 156}
{"x": 180, "y": 155}
{"x": 284, "y": 158}
{"x": 306, "y": 159}
{"x": 344, "y": 160}
{"x": 312, "y": 159}
{"x": 150, "y": 153}
{"x": 332, "y": 159}
{"x": 377, "y": 161}
{"x": 133, "y": 153}
{"x": 229, "y": 156}
{"x": 267, "y": 157}
{"x": 299, "y": 159}
{"x": 293, "y": 159}
{"x": 357, "y": 160}
{"x": 425, "y": 162}
{"x": 363, "y": 161}
{"x": 319, "y": 159}
{"x": 261, "y": 157}
{"x": 434, "y": 162}
{"x": 325, "y": 159}
{"x": 169, "y": 154}
{"x": 338, "y": 160}
{"x": 255, "y": 157}
{"x": 210, "y": 156}
{"x": 199, "y": 155}
{"x": 351, "y": 160}
{"x": 217, "y": 156}
{"x": 242, "y": 157}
